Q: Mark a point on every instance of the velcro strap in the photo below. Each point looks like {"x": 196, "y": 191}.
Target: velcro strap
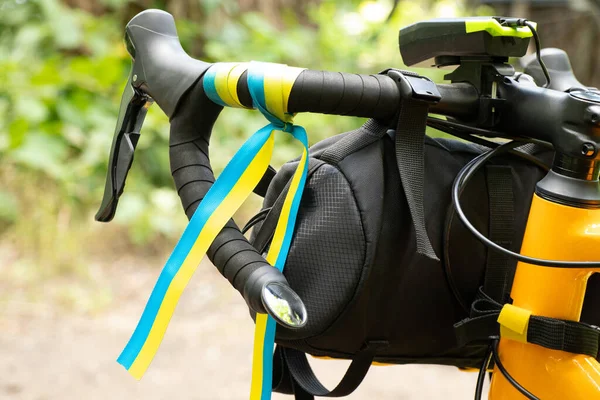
{"x": 514, "y": 322}
{"x": 570, "y": 336}
{"x": 489, "y": 319}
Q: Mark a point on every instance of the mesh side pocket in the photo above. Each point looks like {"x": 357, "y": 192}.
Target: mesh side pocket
{"x": 327, "y": 255}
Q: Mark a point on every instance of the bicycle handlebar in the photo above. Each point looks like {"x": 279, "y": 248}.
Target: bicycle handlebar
{"x": 164, "y": 73}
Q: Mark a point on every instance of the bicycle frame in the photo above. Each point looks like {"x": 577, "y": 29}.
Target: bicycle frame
{"x": 554, "y": 231}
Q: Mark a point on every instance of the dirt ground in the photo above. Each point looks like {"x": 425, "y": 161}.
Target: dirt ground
{"x": 49, "y": 354}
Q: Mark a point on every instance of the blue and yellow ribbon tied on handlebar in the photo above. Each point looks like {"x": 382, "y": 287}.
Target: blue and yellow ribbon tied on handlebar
{"x": 270, "y": 86}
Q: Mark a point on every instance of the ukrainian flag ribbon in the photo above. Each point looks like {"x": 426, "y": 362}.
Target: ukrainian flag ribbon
{"x": 270, "y": 86}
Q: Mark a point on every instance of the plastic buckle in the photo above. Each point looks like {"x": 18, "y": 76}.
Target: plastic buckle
{"x": 415, "y": 86}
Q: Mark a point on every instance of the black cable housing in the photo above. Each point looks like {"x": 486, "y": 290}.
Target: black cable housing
{"x": 463, "y": 178}
{"x": 480, "y": 131}
{"x": 260, "y": 216}
{"x": 538, "y": 49}
{"x": 463, "y": 132}
{"x": 481, "y": 375}
{"x": 506, "y": 375}
{"x": 454, "y": 129}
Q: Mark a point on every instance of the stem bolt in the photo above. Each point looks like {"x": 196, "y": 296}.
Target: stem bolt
{"x": 588, "y": 149}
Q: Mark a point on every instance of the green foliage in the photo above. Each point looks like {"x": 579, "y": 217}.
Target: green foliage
{"x": 61, "y": 81}
{"x": 62, "y": 71}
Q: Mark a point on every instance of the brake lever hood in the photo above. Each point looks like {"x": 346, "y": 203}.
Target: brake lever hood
{"x": 161, "y": 72}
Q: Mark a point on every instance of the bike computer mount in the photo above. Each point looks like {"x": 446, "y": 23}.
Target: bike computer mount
{"x": 451, "y": 40}
{"x": 480, "y": 48}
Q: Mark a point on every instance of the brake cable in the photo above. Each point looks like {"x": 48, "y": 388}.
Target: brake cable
{"x": 507, "y": 376}
{"x": 493, "y": 354}
{"x": 459, "y": 131}
{"x": 463, "y": 178}
{"x": 481, "y": 375}
{"x": 467, "y": 133}
{"x": 538, "y": 48}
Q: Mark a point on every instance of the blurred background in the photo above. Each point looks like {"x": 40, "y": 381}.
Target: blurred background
{"x": 72, "y": 289}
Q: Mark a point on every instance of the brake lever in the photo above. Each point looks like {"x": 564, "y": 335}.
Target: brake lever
{"x": 161, "y": 72}
{"x": 132, "y": 112}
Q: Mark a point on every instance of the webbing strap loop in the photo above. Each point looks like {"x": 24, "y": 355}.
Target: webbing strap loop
{"x": 490, "y": 319}
{"x": 500, "y": 269}
{"x": 306, "y": 384}
{"x": 410, "y": 153}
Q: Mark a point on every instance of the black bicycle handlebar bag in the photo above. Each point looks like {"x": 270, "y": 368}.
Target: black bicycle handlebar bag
{"x": 354, "y": 261}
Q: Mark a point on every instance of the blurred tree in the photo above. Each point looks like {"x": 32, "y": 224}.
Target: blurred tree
{"x": 91, "y": 6}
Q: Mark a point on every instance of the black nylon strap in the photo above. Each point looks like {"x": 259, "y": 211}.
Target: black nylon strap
{"x": 570, "y": 336}
{"x": 551, "y": 333}
{"x": 477, "y": 329}
{"x": 282, "y": 380}
{"x": 267, "y": 229}
{"x": 301, "y": 394}
{"x": 410, "y": 158}
{"x": 306, "y": 383}
{"x": 555, "y": 334}
{"x": 355, "y": 140}
{"x": 500, "y": 269}
{"x": 265, "y": 181}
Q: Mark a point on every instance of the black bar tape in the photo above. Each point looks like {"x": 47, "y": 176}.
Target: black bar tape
{"x": 371, "y": 96}
{"x": 191, "y": 173}
{"x": 339, "y": 93}
{"x": 374, "y": 96}
{"x": 231, "y": 253}
{"x": 242, "y": 90}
